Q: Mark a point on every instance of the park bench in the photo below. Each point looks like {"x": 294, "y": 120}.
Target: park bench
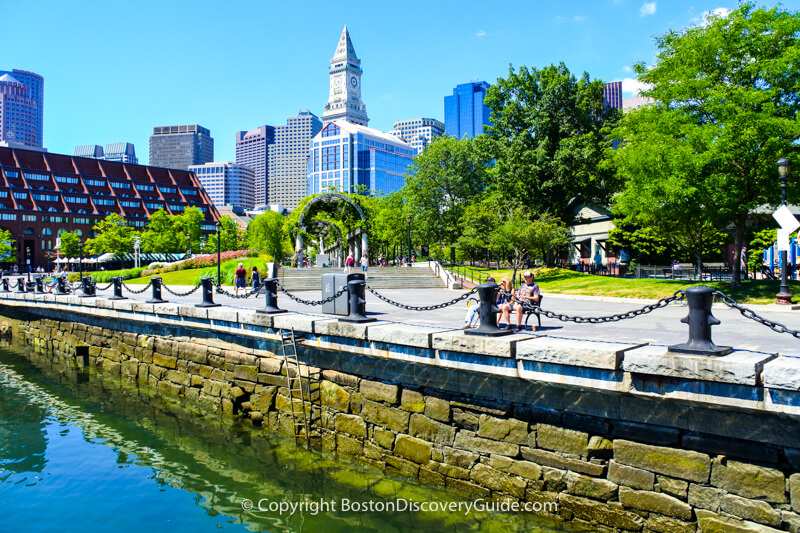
{"x": 527, "y": 310}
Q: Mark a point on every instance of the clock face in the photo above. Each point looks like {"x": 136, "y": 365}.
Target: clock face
{"x": 353, "y": 81}
{"x": 338, "y": 81}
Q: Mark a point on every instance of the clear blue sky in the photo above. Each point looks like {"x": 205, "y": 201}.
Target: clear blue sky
{"x": 114, "y": 70}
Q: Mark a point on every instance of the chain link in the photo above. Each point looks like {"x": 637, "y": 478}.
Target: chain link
{"x": 181, "y": 294}
{"x": 137, "y": 292}
{"x": 423, "y": 307}
{"x": 312, "y": 302}
{"x": 748, "y": 313}
{"x": 220, "y": 290}
{"x": 663, "y": 302}
{"x": 103, "y": 288}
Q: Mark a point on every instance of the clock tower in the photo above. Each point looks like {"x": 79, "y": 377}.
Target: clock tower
{"x": 344, "y": 99}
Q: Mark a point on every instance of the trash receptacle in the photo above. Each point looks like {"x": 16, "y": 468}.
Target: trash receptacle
{"x": 333, "y": 283}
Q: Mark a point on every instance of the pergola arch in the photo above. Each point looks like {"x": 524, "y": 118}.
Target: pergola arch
{"x": 319, "y": 224}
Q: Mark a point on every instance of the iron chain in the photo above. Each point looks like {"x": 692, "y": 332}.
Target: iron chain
{"x": 220, "y": 290}
{"x": 103, "y": 288}
{"x": 423, "y": 307}
{"x": 663, "y": 302}
{"x": 137, "y": 292}
{"x": 312, "y": 302}
{"x": 181, "y": 294}
{"x": 748, "y": 313}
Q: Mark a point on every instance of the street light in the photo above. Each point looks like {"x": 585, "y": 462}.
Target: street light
{"x": 219, "y": 234}
{"x": 28, "y": 261}
{"x": 783, "y": 296}
{"x": 80, "y": 260}
{"x": 408, "y": 260}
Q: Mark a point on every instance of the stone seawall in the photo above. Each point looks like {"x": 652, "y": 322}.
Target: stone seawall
{"x": 616, "y": 448}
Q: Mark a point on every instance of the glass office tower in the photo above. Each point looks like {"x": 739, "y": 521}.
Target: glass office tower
{"x": 465, "y": 115}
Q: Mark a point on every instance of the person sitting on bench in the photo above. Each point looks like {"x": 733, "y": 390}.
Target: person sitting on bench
{"x": 527, "y": 294}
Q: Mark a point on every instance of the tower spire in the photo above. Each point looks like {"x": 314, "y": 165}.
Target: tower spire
{"x": 344, "y": 99}
{"x": 344, "y": 49}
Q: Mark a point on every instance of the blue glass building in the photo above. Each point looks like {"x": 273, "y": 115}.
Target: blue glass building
{"x": 345, "y": 155}
{"x": 465, "y": 115}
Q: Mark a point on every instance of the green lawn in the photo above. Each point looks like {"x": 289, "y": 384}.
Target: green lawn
{"x": 561, "y": 281}
{"x": 192, "y": 276}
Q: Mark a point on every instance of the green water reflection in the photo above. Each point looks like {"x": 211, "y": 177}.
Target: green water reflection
{"x": 78, "y": 454}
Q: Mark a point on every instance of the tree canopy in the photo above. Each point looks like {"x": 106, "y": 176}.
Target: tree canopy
{"x": 726, "y": 98}
{"x": 546, "y": 139}
{"x": 441, "y": 182}
{"x": 113, "y": 236}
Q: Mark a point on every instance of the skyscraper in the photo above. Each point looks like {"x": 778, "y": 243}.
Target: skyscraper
{"x": 418, "y": 132}
{"x": 226, "y": 183}
{"x": 121, "y": 152}
{"x": 287, "y": 160}
{"x": 180, "y": 146}
{"x": 465, "y": 115}
{"x": 344, "y": 98}
{"x": 21, "y": 109}
{"x": 612, "y": 94}
{"x": 251, "y": 151}
{"x": 346, "y": 155}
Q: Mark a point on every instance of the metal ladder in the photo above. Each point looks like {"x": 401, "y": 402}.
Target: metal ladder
{"x": 294, "y": 383}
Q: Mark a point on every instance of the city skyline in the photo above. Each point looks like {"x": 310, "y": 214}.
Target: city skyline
{"x": 177, "y": 71}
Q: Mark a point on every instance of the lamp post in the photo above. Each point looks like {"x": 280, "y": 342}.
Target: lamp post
{"x": 408, "y": 259}
{"x": 28, "y": 261}
{"x": 219, "y": 234}
{"x": 783, "y": 296}
{"x": 80, "y": 260}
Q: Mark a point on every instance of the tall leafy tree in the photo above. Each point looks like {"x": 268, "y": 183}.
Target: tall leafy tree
{"x": 113, "y": 236}
{"x": 266, "y": 234}
{"x": 231, "y": 237}
{"x": 546, "y": 139}
{"x": 190, "y": 223}
{"x": 439, "y": 186}
{"x": 663, "y": 194}
{"x": 732, "y": 87}
{"x": 6, "y": 246}
{"x": 163, "y": 234}
{"x": 70, "y": 244}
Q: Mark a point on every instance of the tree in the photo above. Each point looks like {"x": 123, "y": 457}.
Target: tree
{"x": 231, "y": 237}
{"x": 266, "y": 234}
{"x": 6, "y": 247}
{"x": 662, "y": 192}
{"x": 546, "y": 140}
{"x": 440, "y": 184}
{"x": 732, "y": 86}
{"x": 191, "y": 222}
{"x": 70, "y": 244}
{"x": 163, "y": 234}
{"x": 523, "y": 237}
{"x": 113, "y": 236}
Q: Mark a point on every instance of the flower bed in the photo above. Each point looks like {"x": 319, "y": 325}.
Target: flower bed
{"x": 199, "y": 261}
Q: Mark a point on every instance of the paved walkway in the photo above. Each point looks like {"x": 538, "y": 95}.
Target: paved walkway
{"x": 662, "y": 326}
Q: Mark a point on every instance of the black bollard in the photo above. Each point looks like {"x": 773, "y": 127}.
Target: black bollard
{"x": 208, "y": 293}
{"x": 61, "y": 285}
{"x": 5, "y": 285}
{"x": 21, "y": 285}
{"x": 156, "y": 299}
{"x": 358, "y": 305}
{"x": 39, "y": 285}
{"x": 271, "y": 288}
{"x": 117, "y": 281}
{"x": 488, "y": 311}
{"x": 87, "y": 287}
{"x": 700, "y": 321}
